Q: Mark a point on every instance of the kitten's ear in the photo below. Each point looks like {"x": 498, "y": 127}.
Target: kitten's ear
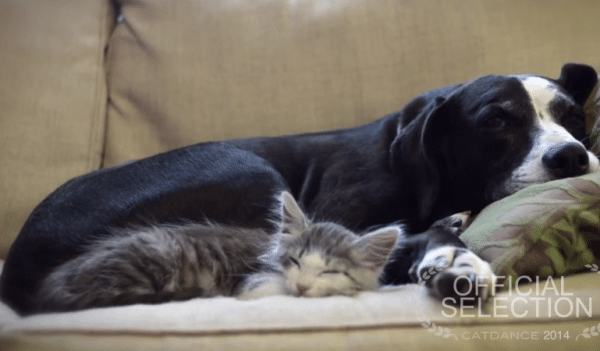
{"x": 293, "y": 220}
{"x": 377, "y": 246}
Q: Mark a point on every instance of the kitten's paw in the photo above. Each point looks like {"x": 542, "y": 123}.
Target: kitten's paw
{"x": 262, "y": 286}
{"x": 259, "y": 293}
{"x": 457, "y": 273}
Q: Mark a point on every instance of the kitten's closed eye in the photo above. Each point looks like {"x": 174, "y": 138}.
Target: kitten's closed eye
{"x": 295, "y": 261}
{"x": 332, "y": 271}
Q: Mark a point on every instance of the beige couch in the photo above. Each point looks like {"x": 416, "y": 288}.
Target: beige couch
{"x": 82, "y": 88}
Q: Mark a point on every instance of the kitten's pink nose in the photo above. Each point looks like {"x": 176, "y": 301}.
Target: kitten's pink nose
{"x": 302, "y": 289}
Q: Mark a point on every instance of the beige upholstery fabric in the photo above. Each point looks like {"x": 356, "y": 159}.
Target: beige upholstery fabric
{"x": 380, "y": 339}
{"x": 52, "y": 100}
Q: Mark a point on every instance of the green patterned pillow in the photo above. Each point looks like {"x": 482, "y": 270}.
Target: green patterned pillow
{"x": 592, "y": 112}
{"x": 550, "y": 229}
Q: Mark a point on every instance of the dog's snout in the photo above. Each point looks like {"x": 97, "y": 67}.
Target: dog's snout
{"x": 566, "y": 160}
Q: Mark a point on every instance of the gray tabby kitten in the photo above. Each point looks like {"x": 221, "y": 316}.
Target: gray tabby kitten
{"x": 178, "y": 262}
{"x": 320, "y": 259}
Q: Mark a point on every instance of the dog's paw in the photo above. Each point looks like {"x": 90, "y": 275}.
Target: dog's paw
{"x": 457, "y": 273}
{"x": 455, "y": 224}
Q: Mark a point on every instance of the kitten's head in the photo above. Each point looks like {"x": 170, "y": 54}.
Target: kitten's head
{"x": 323, "y": 258}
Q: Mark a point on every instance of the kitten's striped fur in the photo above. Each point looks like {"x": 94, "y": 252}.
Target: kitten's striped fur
{"x": 320, "y": 259}
{"x": 176, "y": 262}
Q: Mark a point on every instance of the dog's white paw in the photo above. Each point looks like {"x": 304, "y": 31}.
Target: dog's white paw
{"x": 456, "y": 272}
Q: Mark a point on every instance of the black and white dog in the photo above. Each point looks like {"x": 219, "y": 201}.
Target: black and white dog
{"x": 452, "y": 149}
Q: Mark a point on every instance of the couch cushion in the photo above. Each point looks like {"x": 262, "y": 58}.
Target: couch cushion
{"x": 187, "y": 71}
{"x": 391, "y": 319}
{"x": 52, "y": 100}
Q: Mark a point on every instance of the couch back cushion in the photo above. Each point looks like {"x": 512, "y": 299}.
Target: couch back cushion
{"x": 187, "y": 71}
{"x": 52, "y": 100}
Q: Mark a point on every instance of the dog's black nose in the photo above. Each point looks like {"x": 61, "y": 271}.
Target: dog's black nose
{"x": 566, "y": 160}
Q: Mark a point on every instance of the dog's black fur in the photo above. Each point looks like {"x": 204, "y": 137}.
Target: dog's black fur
{"x": 442, "y": 153}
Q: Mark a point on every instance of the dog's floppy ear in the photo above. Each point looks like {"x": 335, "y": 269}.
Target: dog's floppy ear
{"x": 434, "y": 141}
{"x": 419, "y": 145}
{"x": 578, "y": 80}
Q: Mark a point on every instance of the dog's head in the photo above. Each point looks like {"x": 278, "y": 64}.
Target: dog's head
{"x": 483, "y": 140}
